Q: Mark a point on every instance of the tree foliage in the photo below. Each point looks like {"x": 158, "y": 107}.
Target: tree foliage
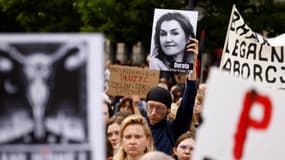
{"x": 123, "y": 21}
{"x": 263, "y": 16}
{"x": 130, "y": 21}
{"x": 42, "y": 16}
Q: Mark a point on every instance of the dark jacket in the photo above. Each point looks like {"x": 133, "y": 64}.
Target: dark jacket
{"x": 163, "y": 139}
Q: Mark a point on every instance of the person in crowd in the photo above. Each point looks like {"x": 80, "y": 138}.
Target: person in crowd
{"x": 124, "y": 114}
{"x": 184, "y": 146}
{"x": 107, "y": 74}
{"x": 107, "y": 110}
{"x": 113, "y": 131}
{"x": 113, "y": 128}
{"x": 139, "y": 103}
{"x": 197, "y": 117}
{"x": 156, "y": 155}
{"x": 135, "y": 138}
{"x": 172, "y": 32}
{"x": 173, "y": 109}
{"x": 126, "y": 103}
{"x": 159, "y": 100}
{"x": 163, "y": 84}
{"x": 176, "y": 92}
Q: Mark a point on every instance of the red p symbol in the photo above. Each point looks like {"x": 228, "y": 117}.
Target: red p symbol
{"x": 245, "y": 121}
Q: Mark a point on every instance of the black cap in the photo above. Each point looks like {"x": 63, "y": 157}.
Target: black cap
{"x": 159, "y": 94}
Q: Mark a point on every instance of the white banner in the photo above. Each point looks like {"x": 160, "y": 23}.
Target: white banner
{"x": 255, "y": 61}
{"x": 241, "y": 120}
{"x": 51, "y": 89}
{"x": 248, "y": 55}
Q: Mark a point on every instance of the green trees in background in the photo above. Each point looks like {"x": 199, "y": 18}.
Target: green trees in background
{"x": 130, "y": 21}
{"x": 263, "y": 16}
{"x": 123, "y": 21}
{"x": 40, "y": 16}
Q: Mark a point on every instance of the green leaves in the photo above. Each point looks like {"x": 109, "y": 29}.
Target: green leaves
{"x": 43, "y": 16}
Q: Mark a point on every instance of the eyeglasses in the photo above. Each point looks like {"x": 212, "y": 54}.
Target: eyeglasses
{"x": 184, "y": 147}
{"x": 157, "y": 108}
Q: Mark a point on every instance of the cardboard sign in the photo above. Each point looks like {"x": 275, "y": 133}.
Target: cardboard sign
{"x": 127, "y": 81}
{"x": 241, "y": 120}
{"x": 48, "y": 91}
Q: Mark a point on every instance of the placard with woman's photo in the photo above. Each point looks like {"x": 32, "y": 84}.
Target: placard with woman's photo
{"x": 172, "y": 30}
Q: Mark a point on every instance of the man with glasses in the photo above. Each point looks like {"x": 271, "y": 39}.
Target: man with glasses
{"x": 159, "y": 100}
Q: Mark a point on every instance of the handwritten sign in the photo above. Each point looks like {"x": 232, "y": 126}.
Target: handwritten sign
{"x": 241, "y": 120}
{"x": 248, "y": 55}
{"x": 126, "y": 81}
{"x": 254, "y": 61}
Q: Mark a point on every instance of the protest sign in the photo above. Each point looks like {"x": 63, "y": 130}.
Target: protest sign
{"x": 248, "y": 55}
{"x": 51, "y": 93}
{"x": 238, "y": 26}
{"x": 277, "y": 41}
{"x": 241, "y": 120}
{"x": 127, "y": 81}
{"x": 170, "y": 32}
{"x": 255, "y": 61}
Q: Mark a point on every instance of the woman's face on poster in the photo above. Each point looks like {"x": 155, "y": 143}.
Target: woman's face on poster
{"x": 172, "y": 38}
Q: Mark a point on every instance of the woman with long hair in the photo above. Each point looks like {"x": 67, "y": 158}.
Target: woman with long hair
{"x": 173, "y": 32}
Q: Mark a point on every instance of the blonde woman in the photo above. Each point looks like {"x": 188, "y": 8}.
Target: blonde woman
{"x": 135, "y": 139}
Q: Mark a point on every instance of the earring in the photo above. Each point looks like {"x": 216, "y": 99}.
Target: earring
{"x": 146, "y": 150}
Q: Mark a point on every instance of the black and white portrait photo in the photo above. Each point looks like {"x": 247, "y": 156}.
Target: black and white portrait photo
{"x": 172, "y": 30}
{"x": 44, "y": 83}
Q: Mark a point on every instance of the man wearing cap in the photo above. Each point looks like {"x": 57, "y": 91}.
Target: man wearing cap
{"x": 159, "y": 100}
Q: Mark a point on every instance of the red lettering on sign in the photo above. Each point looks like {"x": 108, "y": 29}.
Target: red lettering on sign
{"x": 245, "y": 121}
{"x": 133, "y": 78}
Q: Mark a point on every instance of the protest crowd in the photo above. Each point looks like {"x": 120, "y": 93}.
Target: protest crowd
{"x": 172, "y": 108}
{"x": 170, "y": 113}
{"x": 155, "y": 111}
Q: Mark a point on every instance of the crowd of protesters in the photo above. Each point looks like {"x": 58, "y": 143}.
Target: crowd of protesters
{"x": 164, "y": 122}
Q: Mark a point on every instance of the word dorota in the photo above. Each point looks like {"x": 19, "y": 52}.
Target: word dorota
{"x": 178, "y": 65}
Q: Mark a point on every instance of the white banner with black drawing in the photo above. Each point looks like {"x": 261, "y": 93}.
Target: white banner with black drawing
{"x": 48, "y": 91}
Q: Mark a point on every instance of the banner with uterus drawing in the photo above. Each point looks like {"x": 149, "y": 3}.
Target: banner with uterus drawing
{"x": 50, "y": 85}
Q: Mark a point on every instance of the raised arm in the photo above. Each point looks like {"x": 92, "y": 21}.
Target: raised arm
{"x": 184, "y": 114}
{"x": 192, "y": 48}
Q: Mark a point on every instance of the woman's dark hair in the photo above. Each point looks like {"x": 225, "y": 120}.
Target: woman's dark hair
{"x": 109, "y": 149}
{"x": 124, "y": 100}
{"x": 110, "y": 108}
{"x": 185, "y": 25}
